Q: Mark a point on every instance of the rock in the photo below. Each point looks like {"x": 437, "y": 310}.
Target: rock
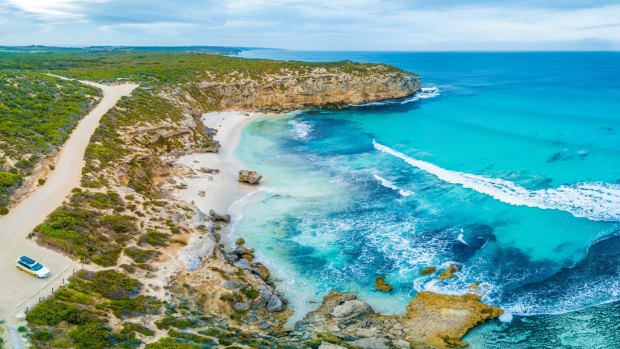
{"x": 250, "y": 177}
{"x": 202, "y": 193}
{"x": 382, "y": 285}
{"x": 401, "y": 344}
{"x": 240, "y": 251}
{"x": 371, "y": 343}
{"x": 240, "y": 241}
{"x": 243, "y": 264}
{"x": 218, "y": 217}
{"x": 242, "y": 306}
{"x": 327, "y": 345}
{"x": 262, "y": 271}
{"x": 449, "y": 273}
{"x": 442, "y": 320}
{"x": 209, "y": 170}
{"x": 428, "y": 270}
{"x": 275, "y": 304}
{"x": 231, "y": 284}
{"x": 367, "y": 332}
{"x": 351, "y": 311}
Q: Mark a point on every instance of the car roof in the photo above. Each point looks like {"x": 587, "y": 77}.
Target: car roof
{"x": 27, "y": 260}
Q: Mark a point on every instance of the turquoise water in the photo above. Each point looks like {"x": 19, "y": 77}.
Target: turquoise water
{"x": 511, "y": 170}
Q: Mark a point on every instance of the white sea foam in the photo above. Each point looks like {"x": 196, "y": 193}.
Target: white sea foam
{"x": 390, "y": 185}
{"x": 428, "y": 92}
{"x": 301, "y": 129}
{"x": 237, "y": 208}
{"x": 424, "y": 93}
{"x": 595, "y": 201}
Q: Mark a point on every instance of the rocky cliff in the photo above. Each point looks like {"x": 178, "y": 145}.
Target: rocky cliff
{"x": 301, "y": 88}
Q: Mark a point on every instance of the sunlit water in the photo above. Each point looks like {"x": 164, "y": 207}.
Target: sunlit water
{"x": 510, "y": 167}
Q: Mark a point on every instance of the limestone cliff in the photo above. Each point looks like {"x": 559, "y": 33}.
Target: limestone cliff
{"x": 302, "y": 88}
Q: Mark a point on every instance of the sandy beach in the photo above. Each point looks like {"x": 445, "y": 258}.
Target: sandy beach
{"x": 216, "y": 191}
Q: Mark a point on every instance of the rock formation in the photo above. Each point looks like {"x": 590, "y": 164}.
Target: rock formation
{"x": 432, "y": 321}
{"x": 249, "y": 177}
{"x": 382, "y": 285}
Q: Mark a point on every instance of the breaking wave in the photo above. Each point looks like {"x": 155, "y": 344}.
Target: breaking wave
{"x": 595, "y": 201}
{"x": 386, "y": 183}
{"x": 301, "y": 129}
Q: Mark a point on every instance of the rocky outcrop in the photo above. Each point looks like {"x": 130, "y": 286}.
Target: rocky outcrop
{"x": 432, "y": 321}
{"x": 249, "y": 177}
{"x": 382, "y": 285}
{"x": 449, "y": 272}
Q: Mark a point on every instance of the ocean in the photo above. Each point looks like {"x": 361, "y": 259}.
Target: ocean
{"x": 507, "y": 164}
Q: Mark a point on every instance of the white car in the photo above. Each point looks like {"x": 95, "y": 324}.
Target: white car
{"x": 32, "y": 267}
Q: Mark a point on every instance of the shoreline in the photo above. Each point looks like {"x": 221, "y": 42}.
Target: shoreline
{"x": 207, "y": 190}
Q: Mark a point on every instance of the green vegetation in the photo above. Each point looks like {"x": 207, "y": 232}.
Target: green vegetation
{"x": 76, "y": 315}
{"x": 156, "y": 68}
{"x": 37, "y": 114}
{"x": 80, "y": 229}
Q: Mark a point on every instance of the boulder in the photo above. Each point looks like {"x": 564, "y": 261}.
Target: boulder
{"x": 262, "y": 271}
{"x": 428, "y": 270}
{"x": 351, "y": 311}
{"x": 243, "y": 264}
{"x": 382, "y": 285}
{"x": 275, "y": 304}
{"x": 249, "y": 177}
{"x": 449, "y": 272}
{"x": 216, "y": 217}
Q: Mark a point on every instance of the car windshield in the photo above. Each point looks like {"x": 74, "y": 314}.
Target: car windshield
{"x": 37, "y": 266}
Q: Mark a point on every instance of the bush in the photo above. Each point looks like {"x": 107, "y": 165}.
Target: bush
{"x": 171, "y": 343}
{"x": 141, "y": 305}
{"x": 155, "y": 238}
{"x": 51, "y": 312}
{"x": 139, "y": 255}
{"x": 92, "y": 335}
{"x": 114, "y": 285}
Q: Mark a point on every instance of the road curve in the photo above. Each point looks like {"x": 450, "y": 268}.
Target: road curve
{"x": 19, "y": 290}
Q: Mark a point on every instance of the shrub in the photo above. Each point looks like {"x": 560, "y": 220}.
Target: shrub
{"x": 51, "y": 312}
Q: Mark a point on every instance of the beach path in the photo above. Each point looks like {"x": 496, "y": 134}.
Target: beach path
{"x": 18, "y": 290}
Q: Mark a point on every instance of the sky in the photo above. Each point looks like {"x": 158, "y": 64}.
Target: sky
{"x": 401, "y": 25}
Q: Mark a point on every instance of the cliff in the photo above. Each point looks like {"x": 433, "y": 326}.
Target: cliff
{"x": 300, "y": 88}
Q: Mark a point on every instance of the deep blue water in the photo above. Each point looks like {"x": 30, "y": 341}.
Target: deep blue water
{"x": 511, "y": 170}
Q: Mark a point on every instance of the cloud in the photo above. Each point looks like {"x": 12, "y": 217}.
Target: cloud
{"x": 325, "y": 24}
{"x": 152, "y": 26}
{"x": 54, "y": 9}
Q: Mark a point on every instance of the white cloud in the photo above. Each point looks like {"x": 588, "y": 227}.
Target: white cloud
{"x": 54, "y": 9}
{"x": 153, "y": 26}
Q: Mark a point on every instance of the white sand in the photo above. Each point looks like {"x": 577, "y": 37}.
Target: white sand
{"x": 19, "y": 290}
{"x": 221, "y": 189}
